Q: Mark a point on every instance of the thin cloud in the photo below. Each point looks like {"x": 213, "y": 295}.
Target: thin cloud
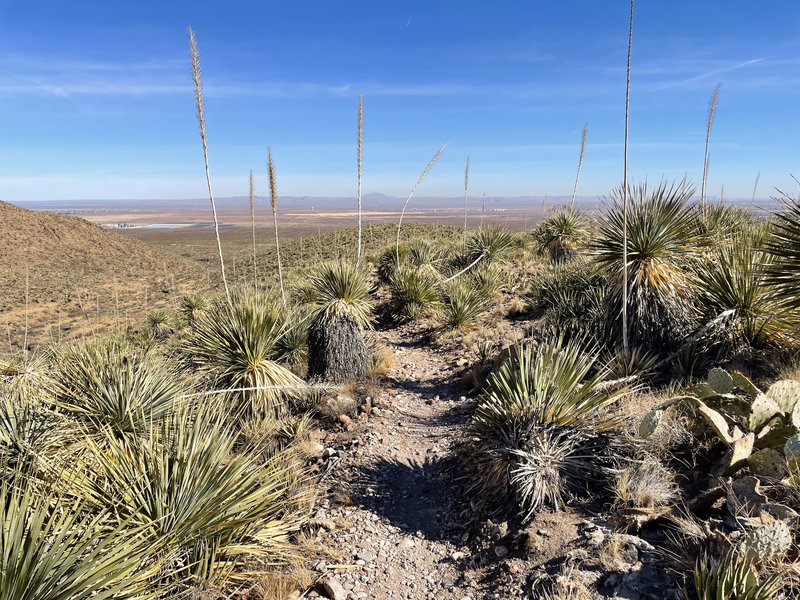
{"x": 708, "y": 74}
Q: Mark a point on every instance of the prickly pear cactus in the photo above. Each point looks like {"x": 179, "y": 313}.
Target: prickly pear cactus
{"x": 762, "y": 410}
{"x": 720, "y": 381}
{"x": 768, "y": 462}
{"x": 744, "y": 384}
{"x": 768, "y": 541}
{"x": 786, "y": 394}
{"x": 791, "y": 449}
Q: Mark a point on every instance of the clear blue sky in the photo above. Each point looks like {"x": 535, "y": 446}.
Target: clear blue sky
{"x": 96, "y": 99}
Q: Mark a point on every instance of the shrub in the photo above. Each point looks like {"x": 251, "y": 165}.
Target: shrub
{"x": 495, "y": 244}
{"x": 784, "y": 246}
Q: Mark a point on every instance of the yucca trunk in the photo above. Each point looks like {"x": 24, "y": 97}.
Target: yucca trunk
{"x": 337, "y": 352}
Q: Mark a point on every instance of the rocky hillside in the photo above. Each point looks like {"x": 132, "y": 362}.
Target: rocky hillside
{"x": 65, "y": 262}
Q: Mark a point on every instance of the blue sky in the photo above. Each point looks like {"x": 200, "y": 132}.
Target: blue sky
{"x": 96, "y": 99}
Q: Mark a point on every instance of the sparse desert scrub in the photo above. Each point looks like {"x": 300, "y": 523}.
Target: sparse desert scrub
{"x": 194, "y": 307}
{"x": 538, "y": 433}
{"x": 645, "y": 483}
{"x": 342, "y": 309}
{"x": 159, "y": 325}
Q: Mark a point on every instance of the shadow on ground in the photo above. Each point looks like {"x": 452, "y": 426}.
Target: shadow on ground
{"x": 420, "y": 497}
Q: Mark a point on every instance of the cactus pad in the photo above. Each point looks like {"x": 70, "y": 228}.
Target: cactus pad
{"x": 720, "y": 381}
{"x": 768, "y": 541}
{"x": 744, "y": 384}
{"x": 761, "y": 411}
{"x": 786, "y": 393}
{"x": 768, "y": 462}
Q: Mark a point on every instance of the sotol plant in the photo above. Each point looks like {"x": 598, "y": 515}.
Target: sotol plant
{"x": 538, "y": 433}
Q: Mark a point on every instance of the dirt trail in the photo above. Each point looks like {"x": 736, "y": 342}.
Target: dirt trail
{"x": 405, "y": 537}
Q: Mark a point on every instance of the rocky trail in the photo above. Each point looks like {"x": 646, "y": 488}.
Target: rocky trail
{"x": 400, "y": 526}
{"x": 405, "y": 536}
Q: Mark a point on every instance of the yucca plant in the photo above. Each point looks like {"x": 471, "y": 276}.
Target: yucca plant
{"x": 489, "y": 279}
{"x": 539, "y": 432}
{"x": 563, "y": 234}
{"x": 388, "y": 261}
{"x": 734, "y": 277}
{"x": 660, "y": 248}
{"x": 194, "y": 307}
{"x": 28, "y": 431}
{"x": 202, "y": 506}
{"x": 108, "y": 385}
{"x": 26, "y": 375}
{"x": 424, "y": 256}
{"x": 495, "y": 243}
{"x": 237, "y": 345}
{"x": 719, "y": 223}
{"x": 55, "y": 551}
{"x": 342, "y": 308}
{"x": 291, "y": 347}
{"x": 462, "y": 305}
{"x": 415, "y": 293}
{"x": 159, "y": 324}
{"x": 784, "y": 246}
{"x": 732, "y": 577}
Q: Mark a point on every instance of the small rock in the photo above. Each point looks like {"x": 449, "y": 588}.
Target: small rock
{"x": 366, "y": 555}
{"x": 457, "y": 555}
{"x": 332, "y": 589}
{"x": 501, "y": 551}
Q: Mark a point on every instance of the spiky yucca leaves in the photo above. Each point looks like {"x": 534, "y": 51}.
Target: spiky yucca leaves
{"x": 415, "y": 293}
{"x": 291, "y": 347}
{"x": 495, "y": 243}
{"x": 28, "y": 431}
{"x": 424, "y": 256}
{"x": 202, "y": 506}
{"x": 342, "y": 308}
{"x": 108, "y": 385}
{"x": 159, "y": 324}
{"x": 236, "y": 344}
{"x": 462, "y": 305}
{"x": 388, "y": 262}
{"x": 635, "y": 361}
{"x": 563, "y": 234}
{"x": 194, "y": 307}
{"x": 732, "y": 577}
{"x": 734, "y": 277}
{"x": 538, "y": 430}
{"x": 51, "y": 551}
{"x": 660, "y": 247}
{"x": 784, "y": 246}
{"x": 489, "y": 279}
{"x": 26, "y": 375}
{"x": 719, "y": 223}
{"x": 570, "y": 300}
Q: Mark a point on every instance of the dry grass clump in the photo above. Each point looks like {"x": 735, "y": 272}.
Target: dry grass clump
{"x": 645, "y": 484}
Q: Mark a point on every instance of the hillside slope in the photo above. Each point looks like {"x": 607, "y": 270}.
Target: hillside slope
{"x": 76, "y": 271}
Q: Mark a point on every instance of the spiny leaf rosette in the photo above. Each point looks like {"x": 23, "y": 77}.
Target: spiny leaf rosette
{"x": 562, "y": 234}
{"x": 539, "y": 434}
{"x": 340, "y": 296}
{"x": 237, "y": 344}
{"x": 661, "y": 245}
